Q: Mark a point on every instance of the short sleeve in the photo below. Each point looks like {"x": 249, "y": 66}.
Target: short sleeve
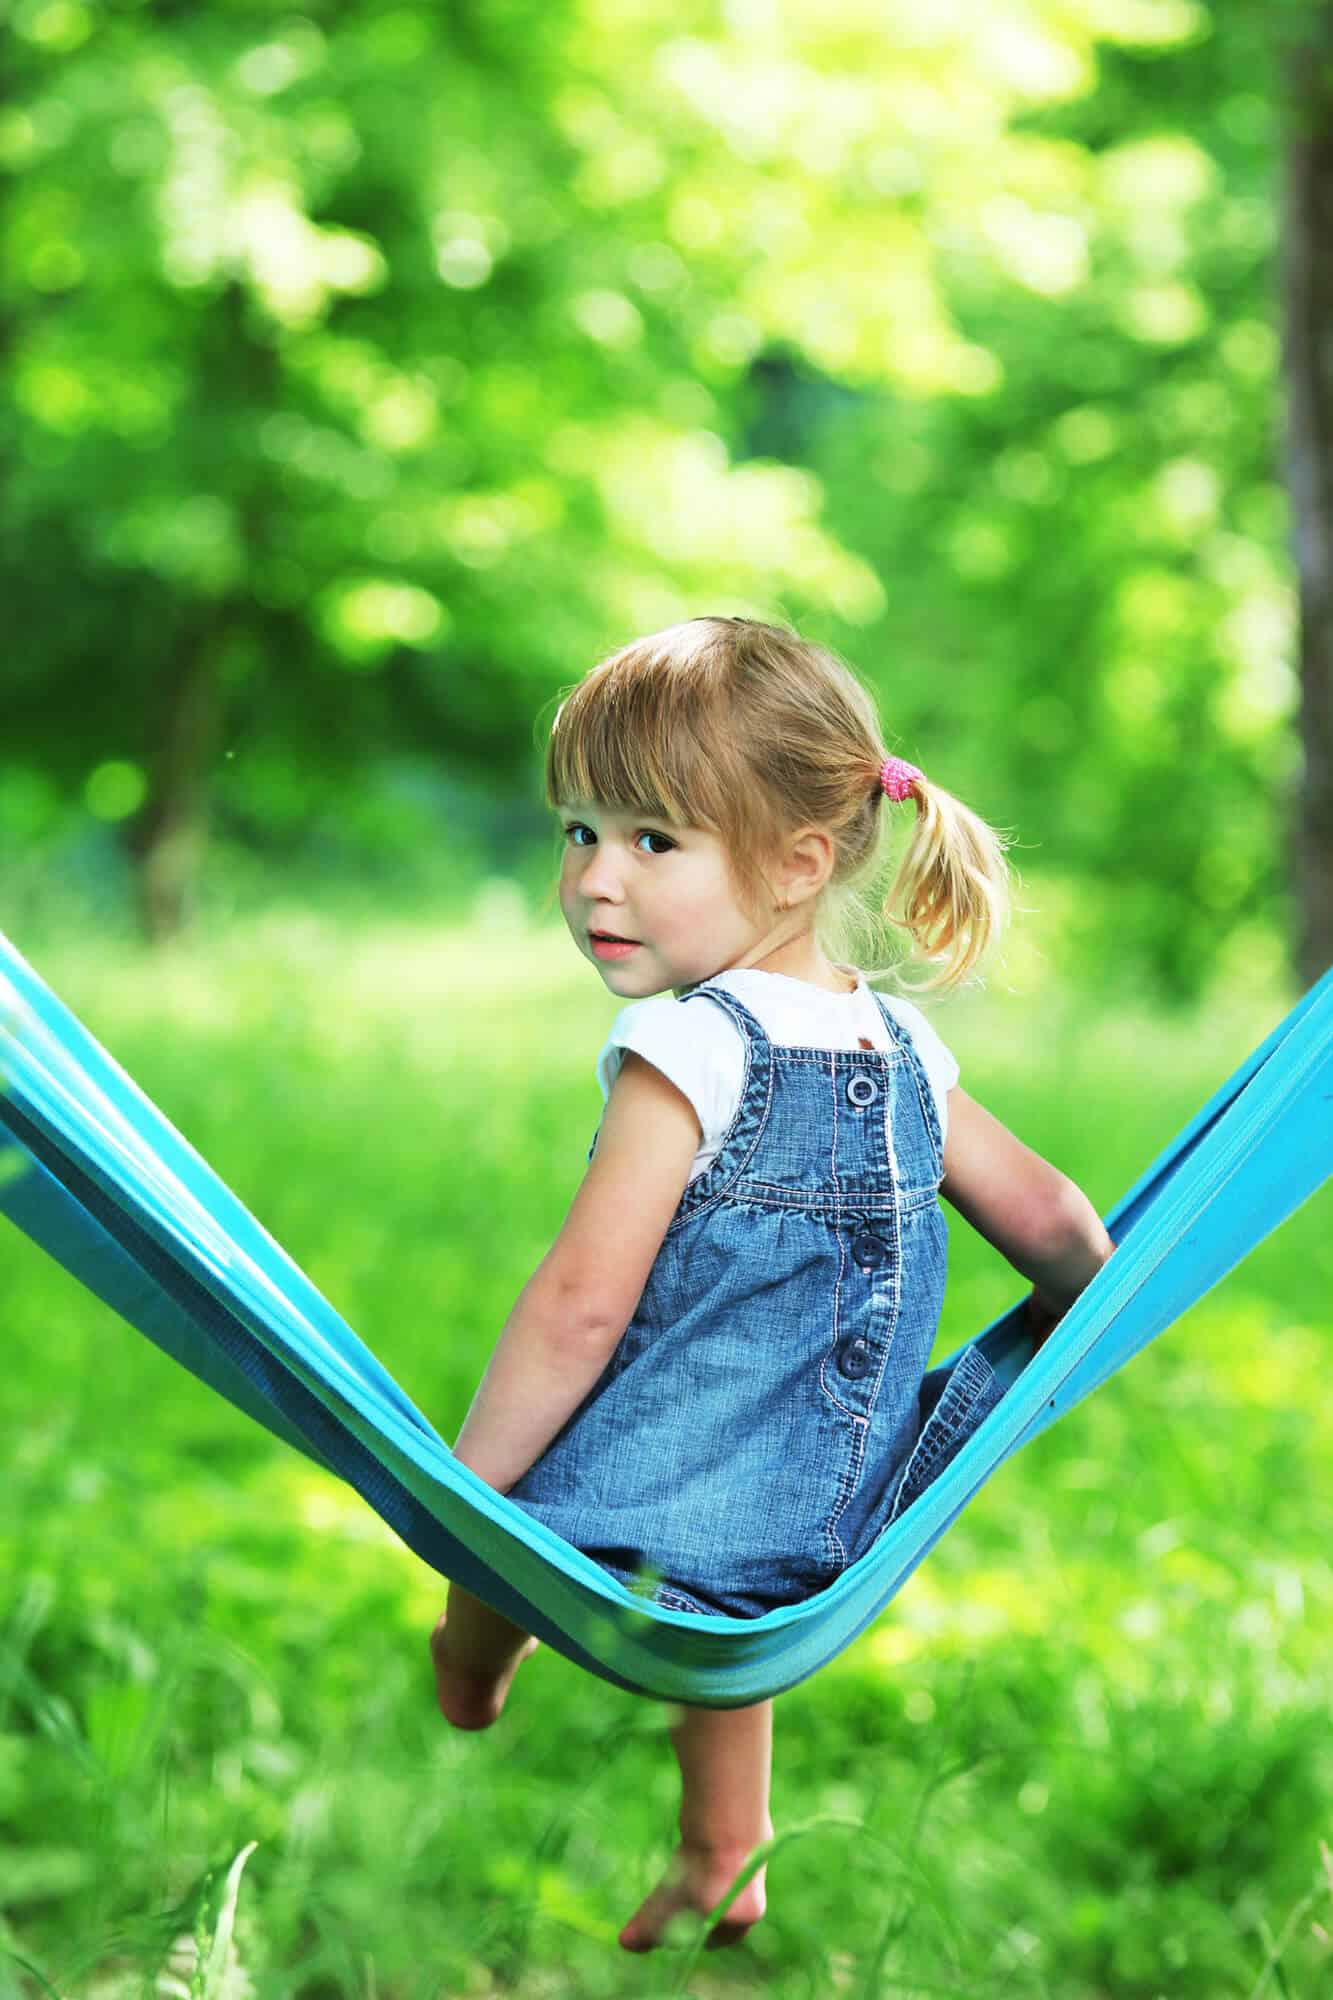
{"x": 937, "y": 1060}
{"x": 697, "y": 1048}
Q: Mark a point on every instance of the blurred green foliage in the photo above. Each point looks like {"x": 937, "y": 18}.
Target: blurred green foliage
{"x": 374, "y": 369}
{"x": 1084, "y": 1753}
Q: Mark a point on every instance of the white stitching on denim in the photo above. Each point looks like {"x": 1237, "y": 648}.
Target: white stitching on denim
{"x": 896, "y": 1273}
{"x": 816, "y": 1052}
{"x": 949, "y": 1428}
{"x": 684, "y": 1214}
{"x": 911, "y": 1055}
{"x": 837, "y": 1319}
{"x": 856, "y": 1204}
{"x": 848, "y": 1481}
{"x": 665, "y": 1592}
{"x": 833, "y": 1156}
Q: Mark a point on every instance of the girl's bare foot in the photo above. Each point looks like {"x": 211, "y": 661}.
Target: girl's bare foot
{"x": 475, "y": 1653}
{"x": 696, "y": 1881}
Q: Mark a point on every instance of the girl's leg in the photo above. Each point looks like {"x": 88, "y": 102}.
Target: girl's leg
{"x": 476, "y": 1654}
{"x": 725, "y": 1757}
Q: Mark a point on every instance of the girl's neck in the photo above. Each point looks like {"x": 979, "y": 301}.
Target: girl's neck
{"x": 810, "y": 968}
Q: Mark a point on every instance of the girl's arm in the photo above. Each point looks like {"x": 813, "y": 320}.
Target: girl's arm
{"x": 577, "y": 1303}
{"x": 1033, "y": 1214}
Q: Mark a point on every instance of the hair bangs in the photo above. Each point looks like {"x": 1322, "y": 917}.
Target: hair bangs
{"x": 635, "y": 735}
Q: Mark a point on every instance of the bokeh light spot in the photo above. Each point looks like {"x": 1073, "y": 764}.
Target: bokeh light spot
{"x": 115, "y": 789}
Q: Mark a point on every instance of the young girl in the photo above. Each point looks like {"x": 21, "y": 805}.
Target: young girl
{"x": 718, "y": 1373}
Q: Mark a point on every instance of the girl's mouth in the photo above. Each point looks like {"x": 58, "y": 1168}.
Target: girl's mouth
{"x": 605, "y": 946}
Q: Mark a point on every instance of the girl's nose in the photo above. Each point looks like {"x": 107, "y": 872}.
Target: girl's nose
{"x": 601, "y": 876}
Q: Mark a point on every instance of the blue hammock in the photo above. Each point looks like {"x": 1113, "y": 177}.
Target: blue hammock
{"x": 94, "y": 1173}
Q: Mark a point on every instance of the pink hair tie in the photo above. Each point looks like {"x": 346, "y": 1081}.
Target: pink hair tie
{"x": 896, "y": 775}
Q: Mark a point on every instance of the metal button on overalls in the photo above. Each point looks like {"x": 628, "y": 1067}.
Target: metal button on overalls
{"x": 863, "y": 1090}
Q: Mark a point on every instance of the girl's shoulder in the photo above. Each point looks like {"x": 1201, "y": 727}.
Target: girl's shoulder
{"x": 937, "y": 1058}
{"x": 918, "y": 1025}
{"x": 697, "y": 1047}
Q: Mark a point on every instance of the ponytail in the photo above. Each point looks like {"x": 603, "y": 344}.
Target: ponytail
{"x": 951, "y": 891}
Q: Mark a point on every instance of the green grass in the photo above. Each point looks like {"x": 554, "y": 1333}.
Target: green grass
{"x": 1085, "y": 1753}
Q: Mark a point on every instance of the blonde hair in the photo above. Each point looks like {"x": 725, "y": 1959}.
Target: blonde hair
{"x": 753, "y": 732}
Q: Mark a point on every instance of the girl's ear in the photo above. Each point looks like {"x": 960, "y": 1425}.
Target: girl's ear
{"x": 806, "y": 866}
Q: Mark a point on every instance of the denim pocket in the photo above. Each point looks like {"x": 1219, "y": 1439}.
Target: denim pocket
{"x": 970, "y": 1394}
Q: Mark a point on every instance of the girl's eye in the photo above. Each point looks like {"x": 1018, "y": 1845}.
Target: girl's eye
{"x": 645, "y": 833}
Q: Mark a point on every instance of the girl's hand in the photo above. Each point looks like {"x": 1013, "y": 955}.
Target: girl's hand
{"x": 1042, "y": 1317}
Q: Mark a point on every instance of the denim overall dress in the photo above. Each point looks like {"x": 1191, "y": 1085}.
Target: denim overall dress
{"x": 767, "y": 1411}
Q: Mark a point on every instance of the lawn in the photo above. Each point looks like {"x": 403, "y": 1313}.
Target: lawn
{"x": 1085, "y": 1753}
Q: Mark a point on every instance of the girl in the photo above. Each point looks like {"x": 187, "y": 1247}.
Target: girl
{"x": 718, "y": 1373}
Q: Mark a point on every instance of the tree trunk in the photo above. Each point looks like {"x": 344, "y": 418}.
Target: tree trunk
{"x": 167, "y": 837}
{"x": 1307, "y": 297}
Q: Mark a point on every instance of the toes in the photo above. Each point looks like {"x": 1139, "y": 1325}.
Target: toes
{"x": 646, "y": 1927}
{"x": 652, "y": 1922}
{"x": 466, "y": 1711}
{"x": 641, "y": 1937}
{"x": 724, "y": 1934}
{"x": 469, "y": 1696}
{"x": 467, "y": 1701}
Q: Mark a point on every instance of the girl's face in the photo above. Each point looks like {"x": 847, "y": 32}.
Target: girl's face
{"x": 664, "y": 886}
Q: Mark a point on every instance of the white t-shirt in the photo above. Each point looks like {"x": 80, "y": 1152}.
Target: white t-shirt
{"x": 701, "y": 1051}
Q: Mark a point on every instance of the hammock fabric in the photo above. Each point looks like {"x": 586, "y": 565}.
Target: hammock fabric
{"x": 98, "y": 1177}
